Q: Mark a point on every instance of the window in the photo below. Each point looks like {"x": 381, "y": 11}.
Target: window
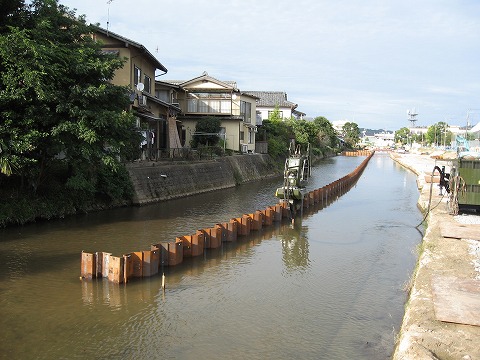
{"x": 226, "y": 107}
{"x": 251, "y": 135}
{"x": 148, "y": 84}
{"x": 162, "y": 95}
{"x": 214, "y": 106}
{"x": 192, "y": 105}
{"x": 209, "y": 103}
{"x": 246, "y": 111}
{"x": 137, "y": 73}
{"x": 242, "y": 135}
{"x": 203, "y": 106}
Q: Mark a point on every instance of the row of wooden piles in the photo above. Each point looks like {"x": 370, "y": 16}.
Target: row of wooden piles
{"x": 146, "y": 263}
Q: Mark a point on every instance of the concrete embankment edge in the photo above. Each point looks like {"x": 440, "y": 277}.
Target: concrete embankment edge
{"x": 422, "y": 336}
{"x": 159, "y": 181}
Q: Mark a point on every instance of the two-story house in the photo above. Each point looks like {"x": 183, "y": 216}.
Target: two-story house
{"x": 156, "y": 116}
{"x": 268, "y": 101}
{"x": 205, "y": 96}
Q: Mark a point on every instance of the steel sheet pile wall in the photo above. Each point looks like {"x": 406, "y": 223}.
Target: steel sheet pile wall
{"x": 357, "y": 153}
{"x": 141, "y": 264}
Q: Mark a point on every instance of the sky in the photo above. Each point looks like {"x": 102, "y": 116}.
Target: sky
{"x": 367, "y": 62}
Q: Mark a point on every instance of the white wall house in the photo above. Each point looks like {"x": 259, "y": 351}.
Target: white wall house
{"x": 268, "y": 101}
{"x": 338, "y": 125}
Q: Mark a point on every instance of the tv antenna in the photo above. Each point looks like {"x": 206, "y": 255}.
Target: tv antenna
{"x": 412, "y": 117}
{"x": 108, "y": 14}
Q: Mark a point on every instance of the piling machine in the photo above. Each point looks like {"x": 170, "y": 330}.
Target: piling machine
{"x": 295, "y": 178}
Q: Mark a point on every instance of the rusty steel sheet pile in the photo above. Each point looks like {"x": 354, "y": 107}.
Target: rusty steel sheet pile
{"x": 147, "y": 263}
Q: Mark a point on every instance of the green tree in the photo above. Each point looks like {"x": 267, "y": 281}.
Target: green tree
{"x": 206, "y": 132}
{"x": 274, "y": 116}
{"x": 319, "y": 133}
{"x": 351, "y": 134}
{"x": 402, "y": 135}
{"x": 438, "y": 134}
{"x": 306, "y": 132}
{"x": 327, "y": 136}
{"x": 279, "y": 135}
{"x": 57, "y": 104}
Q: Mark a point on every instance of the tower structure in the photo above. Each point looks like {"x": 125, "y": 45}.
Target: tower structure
{"x": 412, "y": 117}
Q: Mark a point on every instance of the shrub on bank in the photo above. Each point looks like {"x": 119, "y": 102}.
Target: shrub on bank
{"x": 22, "y": 209}
{"x": 57, "y": 200}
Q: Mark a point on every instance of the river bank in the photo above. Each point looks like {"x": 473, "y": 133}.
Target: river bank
{"x": 441, "y": 315}
{"x": 160, "y": 181}
{"x": 152, "y": 182}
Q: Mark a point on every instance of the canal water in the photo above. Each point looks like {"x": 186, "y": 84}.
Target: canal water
{"x": 329, "y": 287}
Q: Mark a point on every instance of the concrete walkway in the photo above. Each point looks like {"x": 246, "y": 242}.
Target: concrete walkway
{"x": 442, "y": 314}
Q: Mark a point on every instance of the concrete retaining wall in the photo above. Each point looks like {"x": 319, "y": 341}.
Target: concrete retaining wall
{"x": 158, "y": 181}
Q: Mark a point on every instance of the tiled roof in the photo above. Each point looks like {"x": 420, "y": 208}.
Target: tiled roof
{"x": 178, "y": 82}
{"x": 272, "y": 99}
{"x": 174, "y": 82}
{"x": 204, "y": 76}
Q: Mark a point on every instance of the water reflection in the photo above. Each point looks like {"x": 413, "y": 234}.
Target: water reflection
{"x": 295, "y": 249}
{"x": 104, "y": 292}
{"x": 292, "y": 236}
{"x": 326, "y": 288}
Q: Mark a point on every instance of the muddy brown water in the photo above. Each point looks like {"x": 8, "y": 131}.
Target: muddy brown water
{"x": 329, "y": 287}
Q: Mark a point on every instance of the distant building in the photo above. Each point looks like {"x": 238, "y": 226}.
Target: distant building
{"x": 379, "y": 140}
{"x": 338, "y": 125}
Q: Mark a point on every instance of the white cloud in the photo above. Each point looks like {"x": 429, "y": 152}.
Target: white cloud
{"x": 380, "y": 57}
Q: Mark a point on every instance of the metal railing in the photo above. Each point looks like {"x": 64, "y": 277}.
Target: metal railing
{"x": 183, "y": 154}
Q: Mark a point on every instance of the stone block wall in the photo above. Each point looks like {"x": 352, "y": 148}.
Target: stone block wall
{"x": 158, "y": 181}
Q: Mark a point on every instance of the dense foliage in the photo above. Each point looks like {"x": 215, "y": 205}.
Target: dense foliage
{"x": 206, "y": 132}
{"x": 279, "y": 132}
{"x": 402, "y": 136}
{"x": 351, "y": 134}
{"x": 438, "y": 134}
{"x": 63, "y": 126}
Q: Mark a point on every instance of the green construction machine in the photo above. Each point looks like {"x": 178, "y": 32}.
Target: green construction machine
{"x": 465, "y": 184}
{"x": 295, "y": 178}
{"x": 464, "y": 179}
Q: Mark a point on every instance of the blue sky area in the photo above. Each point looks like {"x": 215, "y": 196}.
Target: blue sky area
{"x": 363, "y": 61}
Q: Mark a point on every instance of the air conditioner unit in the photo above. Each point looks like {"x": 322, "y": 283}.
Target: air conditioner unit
{"x": 142, "y": 99}
{"x": 244, "y": 148}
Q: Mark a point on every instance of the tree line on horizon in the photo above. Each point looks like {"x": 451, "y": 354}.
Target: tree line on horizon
{"x": 436, "y": 135}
